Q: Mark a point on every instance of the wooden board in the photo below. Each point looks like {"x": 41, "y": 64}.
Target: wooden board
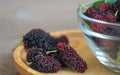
{"x": 78, "y": 42}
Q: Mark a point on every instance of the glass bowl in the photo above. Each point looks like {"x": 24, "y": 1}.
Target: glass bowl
{"x": 104, "y": 45}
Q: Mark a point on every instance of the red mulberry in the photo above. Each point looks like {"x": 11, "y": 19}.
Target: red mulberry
{"x": 32, "y": 53}
{"x": 104, "y": 7}
{"x": 42, "y": 62}
{"x": 97, "y": 27}
{"x": 45, "y": 64}
{"x": 71, "y": 58}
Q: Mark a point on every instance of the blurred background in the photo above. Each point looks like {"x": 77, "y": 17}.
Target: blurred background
{"x": 17, "y": 17}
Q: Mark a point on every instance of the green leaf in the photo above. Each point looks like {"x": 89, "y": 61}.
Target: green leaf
{"x": 97, "y": 3}
{"x": 110, "y": 1}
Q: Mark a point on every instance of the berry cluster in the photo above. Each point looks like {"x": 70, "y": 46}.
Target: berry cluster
{"x": 41, "y": 62}
{"x": 71, "y": 58}
{"x": 109, "y": 13}
{"x": 104, "y": 13}
{"x": 45, "y": 53}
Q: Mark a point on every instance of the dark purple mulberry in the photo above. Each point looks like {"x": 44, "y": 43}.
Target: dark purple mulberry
{"x": 71, "y": 58}
{"x": 35, "y": 38}
{"x": 32, "y": 53}
{"x": 41, "y": 62}
{"x": 116, "y": 7}
{"x": 40, "y": 39}
{"x": 45, "y": 64}
{"x": 92, "y": 12}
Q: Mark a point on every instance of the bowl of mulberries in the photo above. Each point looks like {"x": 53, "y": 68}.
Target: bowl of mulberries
{"x": 42, "y": 53}
{"x": 99, "y": 20}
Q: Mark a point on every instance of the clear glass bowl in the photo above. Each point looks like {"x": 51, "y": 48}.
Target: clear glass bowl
{"x": 105, "y": 45}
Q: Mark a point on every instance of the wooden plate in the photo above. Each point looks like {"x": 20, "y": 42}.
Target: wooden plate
{"x": 78, "y": 42}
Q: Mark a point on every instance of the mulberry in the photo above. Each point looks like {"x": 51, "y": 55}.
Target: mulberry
{"x": 110, "y": 17}
{"x": 45, "y": 64}
{"x": 104, "y": 7}
{"x": 91, "y": 12}
{"x": 35, "y": 38}
{"x": 71, "y": 58}
{"x": 116, "y": 7}
{"x": 97, "y": 27}
{"x": 40, "y": 39}
{"x": 41, "y": 62}
{"x": 32, "y": 53}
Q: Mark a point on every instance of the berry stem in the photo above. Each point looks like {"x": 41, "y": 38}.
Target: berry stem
{"x": 116, "y": 13}
{"x": 106, "y": 1}
{"x": 29, "y": 63}
{"x": 85, "y": 7}
{"x": 53, "y": 51}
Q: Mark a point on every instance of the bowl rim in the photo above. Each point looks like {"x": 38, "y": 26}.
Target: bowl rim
{"x": 81, "y": 15}
{"x": 98, "y": 35}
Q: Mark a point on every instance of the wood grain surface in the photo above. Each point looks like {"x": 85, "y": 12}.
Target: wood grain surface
{"x": 78, "y": 42}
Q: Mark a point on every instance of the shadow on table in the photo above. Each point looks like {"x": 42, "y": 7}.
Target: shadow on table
{"x": 7, "y": 65}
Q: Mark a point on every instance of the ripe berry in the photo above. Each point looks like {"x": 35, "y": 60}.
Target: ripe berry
{"x": 97, "y": 27}
{"x": 110, "y": 16}
{"x": 104, "y": 6}
{"x": 71, "y": 58}
{"x": 91, "y": 12}
{"x": 99, "y": 17}
{"x": 45, "y": 64}
{"x": 107, "y": 16}
{"x": 32, "y": 53}
{"x": 35, "y": 38}
{"x": 116, "y": 7}
{"x": 40, "y": 39}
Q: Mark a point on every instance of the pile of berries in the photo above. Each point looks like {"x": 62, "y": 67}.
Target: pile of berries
{"x": 48, "y": 54}
{"x": 109, "y": 13}
{"x": 104, "y": 13}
